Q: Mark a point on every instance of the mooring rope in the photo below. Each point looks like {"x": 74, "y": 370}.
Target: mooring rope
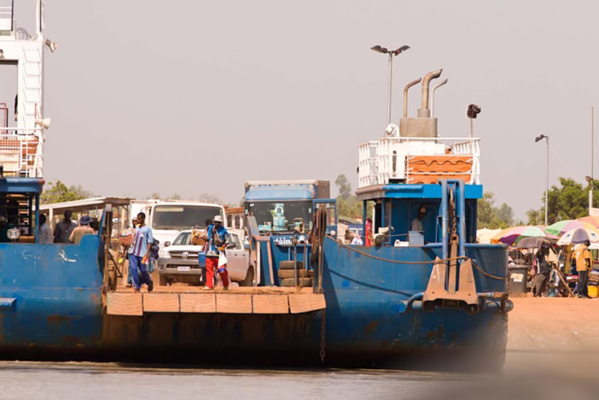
{"x": 420, "y": 262}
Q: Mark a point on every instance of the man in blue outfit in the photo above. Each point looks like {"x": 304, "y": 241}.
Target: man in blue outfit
{"x": 217, "y": 240}
{"x": 140, "y": 254}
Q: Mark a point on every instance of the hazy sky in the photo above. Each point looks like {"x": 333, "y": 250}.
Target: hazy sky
{"x": 191, "y": 97}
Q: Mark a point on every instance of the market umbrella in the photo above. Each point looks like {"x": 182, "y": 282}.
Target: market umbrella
{"x": 591, "y": 220}
{"x": 485, "y": 235}
{"x": 534, "y": 242}
{"x": 561, "y": 227}
{"x": 513, "y": 234}
{"x": 579, "y": 235}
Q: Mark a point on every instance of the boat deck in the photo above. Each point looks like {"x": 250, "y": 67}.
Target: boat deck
{"x": 236, "y": 300}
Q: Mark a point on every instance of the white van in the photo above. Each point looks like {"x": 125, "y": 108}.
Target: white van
{"x": 168, "y": 218}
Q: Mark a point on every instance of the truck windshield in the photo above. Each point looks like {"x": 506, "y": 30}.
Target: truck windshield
{"x": 180, "y": 216}
{"x": 276, "y": 216}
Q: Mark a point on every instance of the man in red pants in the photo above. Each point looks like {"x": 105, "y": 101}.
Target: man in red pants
{"x": 218, "y": 238}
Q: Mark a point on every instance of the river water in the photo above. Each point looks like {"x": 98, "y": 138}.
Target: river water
{"x": 107, "y": 381}
{"x": 37, "y": 380}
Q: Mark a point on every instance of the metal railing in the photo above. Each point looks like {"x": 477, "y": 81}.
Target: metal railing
{"x": 386, "y": 160}
{"x": 21, "y": 153}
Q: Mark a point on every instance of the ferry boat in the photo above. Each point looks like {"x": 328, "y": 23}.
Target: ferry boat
{"x": 407, "y": 298}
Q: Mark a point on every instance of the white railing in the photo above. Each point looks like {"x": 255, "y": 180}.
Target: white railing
{"x": 387, "y": 160}
{"x": 21, "y": 154}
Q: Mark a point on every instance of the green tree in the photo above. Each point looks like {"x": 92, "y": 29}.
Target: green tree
{"x": 58, "y": 192}
{"x": 570, "y": 200}
{"x": 492, "y": 217}
{"x": 347, "y": 203}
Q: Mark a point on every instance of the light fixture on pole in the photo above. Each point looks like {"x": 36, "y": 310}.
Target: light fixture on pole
{"x": 472, "y": 112}
{"x": 538, "y": 139}
{"x": 51, "y": 45}
{"x": 396, "y": 52}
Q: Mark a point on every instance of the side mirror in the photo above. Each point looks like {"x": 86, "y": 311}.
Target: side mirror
{"x": 231, "y": 246}
{"x": 166, "y": 244}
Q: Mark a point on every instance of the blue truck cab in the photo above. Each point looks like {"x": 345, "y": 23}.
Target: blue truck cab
{"x": 282, "y": 206}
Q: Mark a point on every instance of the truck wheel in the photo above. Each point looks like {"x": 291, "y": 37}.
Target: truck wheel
{"x": 291, "y": 265}
{"x": 163, "y": 280}
{"x": 249, "y": 277}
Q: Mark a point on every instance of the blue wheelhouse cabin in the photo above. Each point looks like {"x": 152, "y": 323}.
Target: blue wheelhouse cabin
{"x": 397, "y": 205}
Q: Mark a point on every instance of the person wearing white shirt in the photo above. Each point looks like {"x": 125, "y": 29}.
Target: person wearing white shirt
{"x": 417, "y": 222}
{"x": 45, "y": 231}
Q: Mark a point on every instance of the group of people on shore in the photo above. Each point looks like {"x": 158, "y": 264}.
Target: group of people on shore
{"x": 582, "y": 262}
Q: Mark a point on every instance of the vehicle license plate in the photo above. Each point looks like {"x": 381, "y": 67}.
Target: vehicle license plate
{"x": 183, "y": 268}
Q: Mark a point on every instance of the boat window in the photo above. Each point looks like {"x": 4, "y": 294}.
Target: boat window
{"x": 180, "y": 216}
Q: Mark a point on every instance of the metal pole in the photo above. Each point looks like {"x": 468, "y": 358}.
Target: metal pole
{"x": 592, "y": 159}
{"x": 471, "y": 128}
{"x": 389, "y": 93}
{"x": 547, "y": 183}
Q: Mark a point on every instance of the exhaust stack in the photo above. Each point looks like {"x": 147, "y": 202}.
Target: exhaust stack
{"x": 405, "y": 96}
{"x": 424, "y": 111}
{"x": 423, "y": 125}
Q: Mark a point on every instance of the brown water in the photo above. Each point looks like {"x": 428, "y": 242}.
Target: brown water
{"x": 106, "y": 381}
{"x": 31, "y": 380}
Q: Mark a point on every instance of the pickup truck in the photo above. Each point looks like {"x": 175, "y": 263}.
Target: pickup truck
{"x": 178, "y": 262}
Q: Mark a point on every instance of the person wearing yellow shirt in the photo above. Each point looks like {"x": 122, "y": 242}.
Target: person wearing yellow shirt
{"x": 584, "y": 265}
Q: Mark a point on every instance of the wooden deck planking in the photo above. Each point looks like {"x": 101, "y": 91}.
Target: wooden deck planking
{"x": 273, "y": 304}
{"x": 124, "y": 304}
{"x": 306, "y": 302}
{"x": 198, "y": 302}
{"x": 234, "y": 303}
{"x": 247, "y": 300}
{"x": 161, "y": 302}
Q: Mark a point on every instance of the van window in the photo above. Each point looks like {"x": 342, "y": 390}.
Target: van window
{"x": 180, "y": 216}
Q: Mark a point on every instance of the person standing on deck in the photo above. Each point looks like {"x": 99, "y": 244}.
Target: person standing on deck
{"x": 217, "y": 240}
{"x": 82, "y": 230}
{"x": 64, "y": 228}
{"x": 140, "y": 254}
{"x": 45, "y": 231}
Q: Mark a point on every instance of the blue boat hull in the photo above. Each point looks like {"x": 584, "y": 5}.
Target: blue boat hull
{"x": 58, "y": 311}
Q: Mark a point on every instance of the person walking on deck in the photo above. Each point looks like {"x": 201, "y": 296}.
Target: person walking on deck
{"x": 218, "y": 236}
{"x": 140, "y": 254}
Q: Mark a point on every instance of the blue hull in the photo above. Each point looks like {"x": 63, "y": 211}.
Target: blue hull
{"x": 57, "y": 310}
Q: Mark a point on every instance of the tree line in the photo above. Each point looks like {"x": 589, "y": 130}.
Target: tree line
{"x": 568, "y": 200}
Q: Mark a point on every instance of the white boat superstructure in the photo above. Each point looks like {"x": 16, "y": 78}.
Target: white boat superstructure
{"x": 21, "y": 145}
{"x": 414, "y": 153}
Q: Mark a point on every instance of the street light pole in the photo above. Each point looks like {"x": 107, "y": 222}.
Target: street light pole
{"x": 384, "y": 50}
{"x": 539, "y": 138}
{"x": 592, "y": 159}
